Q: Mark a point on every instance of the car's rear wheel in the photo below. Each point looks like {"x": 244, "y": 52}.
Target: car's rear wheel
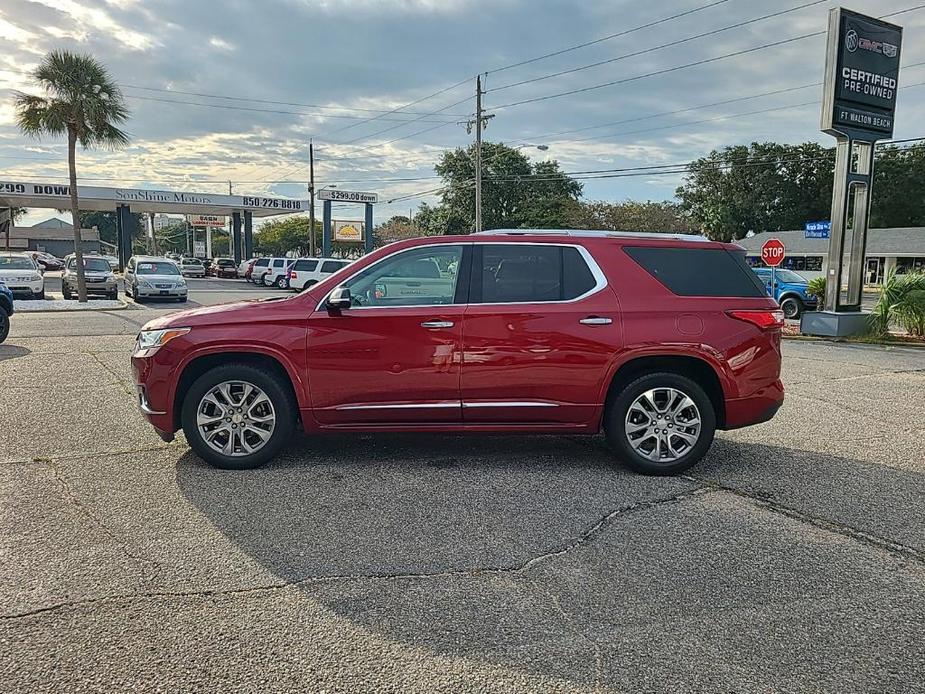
{"x": 266, "y": 281}
{"x": 660, "y": 424}
{"x": 792, "y": 307}
{"x": 238, "y": 416}
{"x": 4, "y": 325}
{"x": 281, "y": 283}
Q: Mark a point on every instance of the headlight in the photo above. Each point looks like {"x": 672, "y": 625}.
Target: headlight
{"x": 181, "y": 283}
{"x": 149, "y": 339}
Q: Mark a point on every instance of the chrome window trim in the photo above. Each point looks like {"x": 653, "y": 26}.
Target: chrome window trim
{"x": 600, "y": 280}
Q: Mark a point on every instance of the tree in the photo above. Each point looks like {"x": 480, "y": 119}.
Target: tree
{"x": 82, "y": 101}
{"x": 106, "y": 224}
{"x": 396, "y": 228}
{"x": 281, "y": 236}
{"x": 515, "y": 192}
{"x": 761, "y": 187}
{"x": 899, "y": 187}
{"x": 630, "y": 215}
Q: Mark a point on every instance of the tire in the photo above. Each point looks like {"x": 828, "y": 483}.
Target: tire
{"x": 283, "y": 409}
{"x": 281, "y": 283}
{"x": 39, "y": 295}
{"x": 66, "y": 293}
{"x": 640, "y": 455}
{"x": 792, "y": 307}
{"x": 114, "y": 295}
{"x": 4, "y": 325}
{"x": 263, "y": 280}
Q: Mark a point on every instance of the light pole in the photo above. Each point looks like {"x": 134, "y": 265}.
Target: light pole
{"x": 542, "y": 148}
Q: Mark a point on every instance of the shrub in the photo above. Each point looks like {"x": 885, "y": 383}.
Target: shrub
{"x": 902, "y": 298}
{"x": 816, "y": 288}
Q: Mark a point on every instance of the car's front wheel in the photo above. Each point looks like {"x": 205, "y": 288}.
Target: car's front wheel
{"x": 4, "y": 325}
{"x": 660, "y": 424}
{"x": 266, "y": 281}
{"x": 238, "y": 416}
{"x": 792, "y": 307}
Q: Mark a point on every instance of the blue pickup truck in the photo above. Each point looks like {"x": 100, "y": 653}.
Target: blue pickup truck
{"x": 792, "y": 291}
{"x": 6, "y": 310}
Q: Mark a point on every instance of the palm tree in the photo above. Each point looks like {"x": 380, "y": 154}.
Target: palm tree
{"x": 82, "y": 100}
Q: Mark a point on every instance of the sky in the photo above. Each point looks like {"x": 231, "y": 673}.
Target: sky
{"x": 235, "y": 89}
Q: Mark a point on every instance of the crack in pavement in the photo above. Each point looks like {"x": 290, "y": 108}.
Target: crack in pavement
{"x": 861, "y": 536}
{"x": 71, "y": 496}
{"x": 90, "y": 454}
{"x": 567, "y": 547}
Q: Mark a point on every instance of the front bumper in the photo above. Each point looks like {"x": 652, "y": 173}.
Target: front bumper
{"x": 25, "y": 287}
{"x": 152, "y": 395}
{"x": 175, "y": 292}
{"x": 94, "y": 287}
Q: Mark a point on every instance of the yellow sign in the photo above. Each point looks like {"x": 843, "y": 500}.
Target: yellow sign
{"x": 349, "y": 232}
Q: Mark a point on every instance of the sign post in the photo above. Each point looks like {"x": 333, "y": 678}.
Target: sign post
{"x": 859, "y": 100}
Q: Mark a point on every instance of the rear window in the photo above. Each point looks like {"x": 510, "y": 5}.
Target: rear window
{"x": 699, "y": 271}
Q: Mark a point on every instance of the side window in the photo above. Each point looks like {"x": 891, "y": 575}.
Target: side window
{"x": 306, "y": 265}
{"x": 329, "y": 266}
{"x": 687, "y": 271}
{"x": 262, "y": 262}
{"x": 279, "y": 262}
{"x": 525, "y": 273}
{"x": 418, "y": 277}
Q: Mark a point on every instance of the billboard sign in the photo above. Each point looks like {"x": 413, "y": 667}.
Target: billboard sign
{"x": 817, "y": 230}
{"x": 207, "y": 220}
{"x": 349, "y": 231}
{"x": 861, "y": 76}
{"x": 347, "y": 196}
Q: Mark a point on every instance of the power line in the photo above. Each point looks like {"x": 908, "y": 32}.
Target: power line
{"x": 684, "y": 66}
{"x": 659, "y": 47}
{"x": 611, "y": 36}
{"x": 382, "y": 111}
{"x": 228, "y": 107}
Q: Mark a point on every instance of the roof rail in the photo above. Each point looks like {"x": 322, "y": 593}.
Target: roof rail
{"x": 591, "y": 233}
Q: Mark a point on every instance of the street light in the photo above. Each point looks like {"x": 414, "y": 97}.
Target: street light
{"x": 542, "y": 148}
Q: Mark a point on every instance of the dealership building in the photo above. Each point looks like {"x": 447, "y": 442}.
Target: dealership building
{"x": 901, "y": 249}
{"x": 55, "y": 236}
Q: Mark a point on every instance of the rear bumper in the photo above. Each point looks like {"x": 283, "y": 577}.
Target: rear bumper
{"x": 755, "y": 409}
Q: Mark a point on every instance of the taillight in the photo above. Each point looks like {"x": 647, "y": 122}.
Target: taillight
{"x": 291, "y": 274}
{"x": 763, "y": 318}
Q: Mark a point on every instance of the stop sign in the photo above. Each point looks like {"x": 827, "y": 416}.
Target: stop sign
{"x": 772, "y": 252}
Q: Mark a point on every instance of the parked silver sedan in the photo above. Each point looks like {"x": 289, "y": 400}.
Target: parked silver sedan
{"x": 154, "y": 278}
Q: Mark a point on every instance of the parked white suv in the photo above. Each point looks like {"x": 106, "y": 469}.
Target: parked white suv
{"x": 271, "y": 272}
{"x": 305, "y": 272}
{"x": 20, "y": 273}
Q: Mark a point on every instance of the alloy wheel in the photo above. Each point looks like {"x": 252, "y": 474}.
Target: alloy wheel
{"x": 662, "y": 424}
{"x": 236, "y": 418}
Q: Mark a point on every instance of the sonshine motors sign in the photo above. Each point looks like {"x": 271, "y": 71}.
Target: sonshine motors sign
{"x": 861, "y": 76}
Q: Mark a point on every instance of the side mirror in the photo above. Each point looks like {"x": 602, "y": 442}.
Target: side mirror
{"x": 339, "y": 299}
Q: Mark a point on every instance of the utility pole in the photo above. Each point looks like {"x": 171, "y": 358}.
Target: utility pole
{"x": 311, "y": 199}
{"x": 481, "y": 120}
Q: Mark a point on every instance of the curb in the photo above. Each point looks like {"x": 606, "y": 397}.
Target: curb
{"x": 848, "y": 341}
{"x": 21, "y": 311}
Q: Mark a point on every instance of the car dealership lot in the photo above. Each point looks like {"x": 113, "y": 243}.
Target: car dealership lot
{"x": 792, "y": 559}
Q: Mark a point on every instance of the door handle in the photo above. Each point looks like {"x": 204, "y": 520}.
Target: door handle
{"x": 437, "y": 324}
{"x": 595, "y": 320}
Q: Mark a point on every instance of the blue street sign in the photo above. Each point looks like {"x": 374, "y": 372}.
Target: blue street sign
{"x": 817, "y": 230}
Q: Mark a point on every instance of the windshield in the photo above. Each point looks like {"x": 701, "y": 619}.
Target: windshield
{"x": 15, "y": 263}
{"x": 91, "y": 264}
{"x": 190, "y": 261}
{"x": 157, "y": 268}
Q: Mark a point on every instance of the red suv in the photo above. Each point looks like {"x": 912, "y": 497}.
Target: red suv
{"x": 656, "y": 339}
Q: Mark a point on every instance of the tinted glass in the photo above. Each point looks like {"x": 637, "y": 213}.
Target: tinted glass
{"x": 306, "y": 265}
{"x": 157, "y": 268}
{"x": 419, "y": 277}
{"x": 330, "y": 266}
{"x": 525, "y": 273}
{"x": 91, "y": 264}
{"x": 262, "y": 262}
{"x": 279, "y": 263}
{"x": 699, "y": 271}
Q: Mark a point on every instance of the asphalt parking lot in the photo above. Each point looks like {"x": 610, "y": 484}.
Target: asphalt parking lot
{"x": 792, "y": 559}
